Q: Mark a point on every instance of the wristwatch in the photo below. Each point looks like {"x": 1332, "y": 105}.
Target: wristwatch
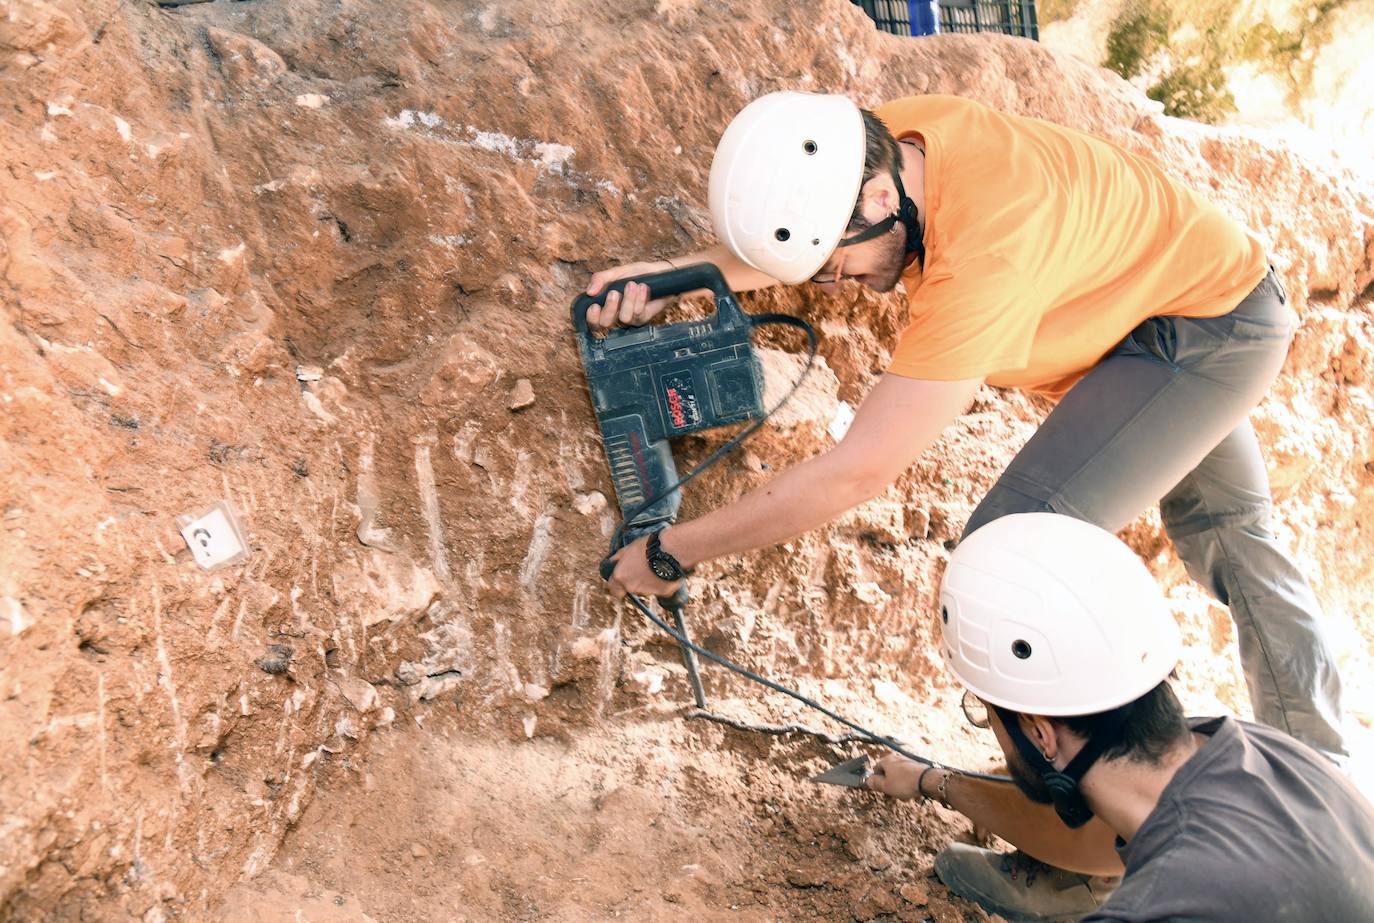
{"x": 663, "y": 564}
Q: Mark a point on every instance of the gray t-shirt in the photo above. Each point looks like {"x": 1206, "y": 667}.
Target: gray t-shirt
{"x": 1254, "y": 827}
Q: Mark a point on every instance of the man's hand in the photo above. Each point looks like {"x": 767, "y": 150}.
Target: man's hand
{"x": 634, "y": 307}
{"x": 632, "y": 573}
{"x": 896, "y": 776}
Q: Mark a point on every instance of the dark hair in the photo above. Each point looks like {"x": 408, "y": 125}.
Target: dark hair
{"x": 1154, "y": 725}
{"x": 882, "y": 155}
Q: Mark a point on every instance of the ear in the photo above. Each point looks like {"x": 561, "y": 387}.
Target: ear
{"x": 880, "y": 196}
{"x": 1040, "y": 731}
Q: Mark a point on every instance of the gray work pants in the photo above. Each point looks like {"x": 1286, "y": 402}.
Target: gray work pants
{"x": 1164, "y": 415}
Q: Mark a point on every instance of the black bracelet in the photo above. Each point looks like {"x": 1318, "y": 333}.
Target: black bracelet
{"x": 941, "y": 794}
{"x": 921, "y": 781}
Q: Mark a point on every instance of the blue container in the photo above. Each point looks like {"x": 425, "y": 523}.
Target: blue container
{"x": 925, "y": 16}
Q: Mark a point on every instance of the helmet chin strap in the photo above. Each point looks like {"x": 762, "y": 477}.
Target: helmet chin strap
{"x": 907, "y": 214}
{"x": 1068, "y": 800}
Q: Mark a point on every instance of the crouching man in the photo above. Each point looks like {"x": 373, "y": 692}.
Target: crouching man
{"x": 1065, "y": 643}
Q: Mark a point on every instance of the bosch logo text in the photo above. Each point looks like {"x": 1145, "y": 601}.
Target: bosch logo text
{"x": 675, "y": 408}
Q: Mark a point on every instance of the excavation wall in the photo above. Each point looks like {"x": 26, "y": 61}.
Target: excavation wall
{"x": 315, "y": 258}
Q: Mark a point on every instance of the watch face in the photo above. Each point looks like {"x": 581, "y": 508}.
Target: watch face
{"x": 663, "y": 570}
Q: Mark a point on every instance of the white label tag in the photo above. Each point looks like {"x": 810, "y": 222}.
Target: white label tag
{"x": 213, "y": 536}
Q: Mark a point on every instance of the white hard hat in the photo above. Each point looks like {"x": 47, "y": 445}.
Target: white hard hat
{"x": 785, "y": 179}
{"x": 1049, "y": 615}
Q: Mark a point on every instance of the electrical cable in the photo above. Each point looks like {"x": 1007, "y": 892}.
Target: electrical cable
{"x": 724, "y": 449}
{"x": 810, "y": 703}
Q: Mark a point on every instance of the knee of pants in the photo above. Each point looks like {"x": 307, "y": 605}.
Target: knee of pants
{"x": 1004, "y": 500}
{"x": 1182, "y": 521}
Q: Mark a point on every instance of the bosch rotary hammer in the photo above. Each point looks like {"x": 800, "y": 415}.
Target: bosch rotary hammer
{"x": 651, "y": 383}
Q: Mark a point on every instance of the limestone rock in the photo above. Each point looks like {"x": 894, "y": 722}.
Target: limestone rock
{"x": 522, "y": 395}
{"x": 246, "y": 60}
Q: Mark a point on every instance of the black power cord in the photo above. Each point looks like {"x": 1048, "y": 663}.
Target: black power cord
{"x": 810, "y": 703}
{"x": 724, "y": 449}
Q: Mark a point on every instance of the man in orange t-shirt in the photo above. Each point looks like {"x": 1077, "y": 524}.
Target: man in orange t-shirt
{"x": 1037, "y": 257}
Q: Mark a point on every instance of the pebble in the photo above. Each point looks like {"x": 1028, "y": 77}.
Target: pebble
{"x": 588, "y": 504}
{"x": 277, "y": 660}
{"x": 522, "y": 395}
{"x": 916, "y": 893}
{"x": 918, "y": 523}
{"x": 418, "y": 851}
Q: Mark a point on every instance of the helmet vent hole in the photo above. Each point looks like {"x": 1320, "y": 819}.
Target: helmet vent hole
{"x": 809, "y": 147}
{"x": 944, "y": 614}
{"x": 1020, "y": 649}
{"x": 782, "y": 234}
{"x": 815, "y": 241}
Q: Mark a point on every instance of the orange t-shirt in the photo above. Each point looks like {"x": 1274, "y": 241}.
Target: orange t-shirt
{"x": 1046, "y": 246}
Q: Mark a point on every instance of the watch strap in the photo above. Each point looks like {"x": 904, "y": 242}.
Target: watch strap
{"x": 654, "y": 551}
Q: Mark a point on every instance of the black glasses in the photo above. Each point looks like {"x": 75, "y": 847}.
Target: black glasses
{"x": 975, "y": 710}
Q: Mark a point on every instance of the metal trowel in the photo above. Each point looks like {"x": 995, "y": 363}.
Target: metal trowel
{"x": 850, "y": 774}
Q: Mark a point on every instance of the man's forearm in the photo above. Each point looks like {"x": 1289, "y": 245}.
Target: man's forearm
{"x": 739, "y": 275}
{"x": 898, "y": 419}
{"x": 1033, "y": 828}
{"x": 799, "y": 499}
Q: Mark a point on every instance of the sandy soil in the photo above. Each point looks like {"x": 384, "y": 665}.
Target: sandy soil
{"x": 646, "y": 819}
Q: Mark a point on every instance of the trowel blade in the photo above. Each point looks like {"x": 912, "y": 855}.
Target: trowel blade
{"x": 850, "y": 774}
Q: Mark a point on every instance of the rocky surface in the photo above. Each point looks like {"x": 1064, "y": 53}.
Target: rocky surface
{"x": 315, "y": 258}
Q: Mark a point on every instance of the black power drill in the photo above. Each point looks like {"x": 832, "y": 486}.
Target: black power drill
{"x": 654, "y": 382}
{"x": 651, "y": 383}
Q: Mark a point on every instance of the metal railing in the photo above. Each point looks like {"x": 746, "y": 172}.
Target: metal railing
{"x": 918, "y": 17}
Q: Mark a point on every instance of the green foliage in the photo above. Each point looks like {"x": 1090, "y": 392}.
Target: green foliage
{"x": 1047, "y": 11}
{"x": 1292, "y": 52}
{"x": 1195, "y": 91}
{"x": 1138, "y": 33}
{"x": 1148, "y": 40}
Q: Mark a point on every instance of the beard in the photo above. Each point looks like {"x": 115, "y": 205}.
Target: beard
{"x": 890, "y": 262}
{"x": 1027, "y": 779}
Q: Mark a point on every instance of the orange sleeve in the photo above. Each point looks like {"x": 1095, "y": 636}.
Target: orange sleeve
{"x": 974, "y": 320}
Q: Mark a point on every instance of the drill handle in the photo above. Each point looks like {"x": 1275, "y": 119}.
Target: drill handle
{"x": 662, "y": 284}
{"x": 675, "y": 603}
{"x": 678, "y": 601}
